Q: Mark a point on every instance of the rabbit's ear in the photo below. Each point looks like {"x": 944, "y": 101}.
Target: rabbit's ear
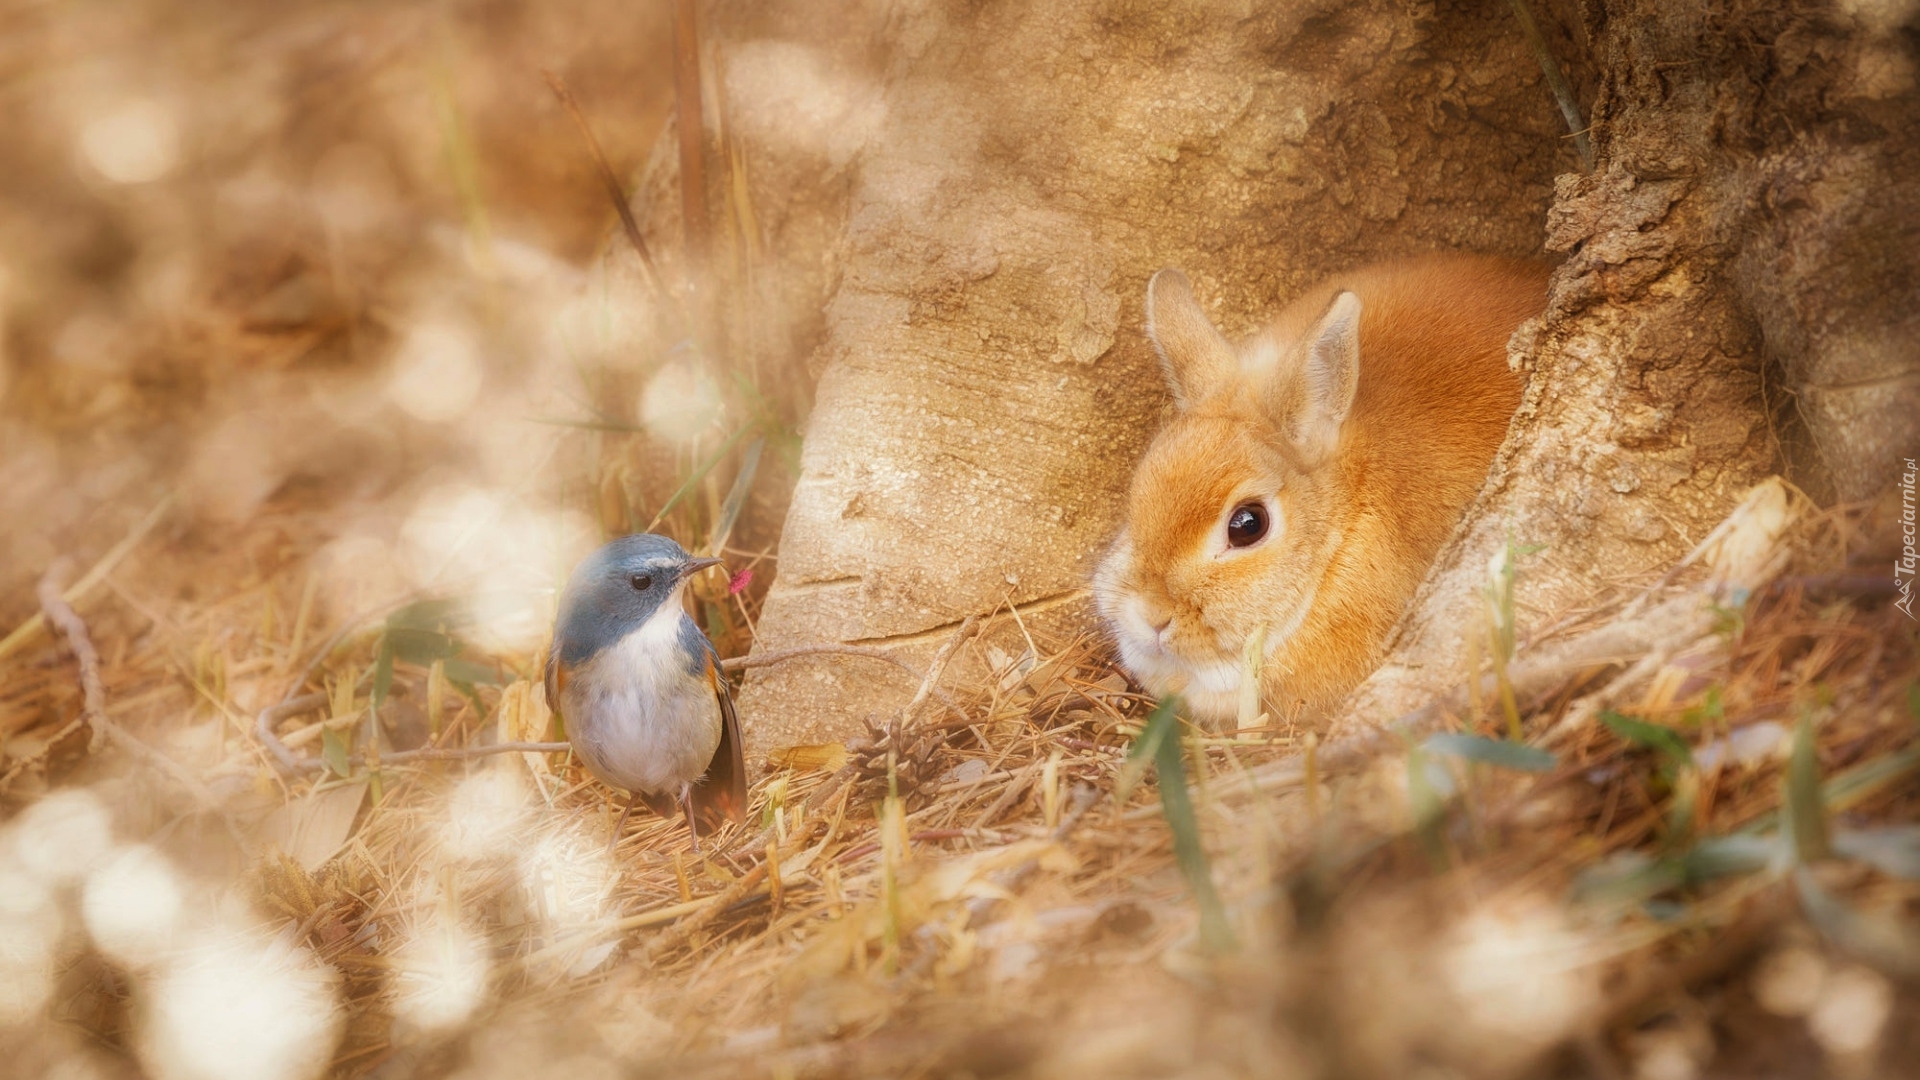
{"x": 1311, "y": 395}
{"x": 1195, "y": 358}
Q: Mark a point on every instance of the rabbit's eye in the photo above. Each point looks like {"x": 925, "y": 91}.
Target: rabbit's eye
{"x": 1247, "y": 525}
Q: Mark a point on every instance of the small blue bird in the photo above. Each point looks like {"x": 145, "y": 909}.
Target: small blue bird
{"x": 639, "y": 689}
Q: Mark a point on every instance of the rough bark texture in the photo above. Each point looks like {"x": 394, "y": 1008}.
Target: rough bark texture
{"x": 975, "y": 193}
{"x": 1752, "y": 219}
{"x": 985, "y": 386}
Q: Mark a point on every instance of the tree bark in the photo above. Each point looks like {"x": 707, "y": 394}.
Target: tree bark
{"x": 975, "y": 194}
{"x": 986, "y": 385}
{"x": 1738, "y": 296}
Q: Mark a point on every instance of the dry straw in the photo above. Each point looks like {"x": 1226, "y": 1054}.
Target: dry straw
{"x": 1621, "y": 805}
{"x": 955, "y": 855}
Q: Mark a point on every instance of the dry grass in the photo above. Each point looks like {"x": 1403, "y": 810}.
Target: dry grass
{"x": 982, "y": 889}
{"x": 970, "y": 922}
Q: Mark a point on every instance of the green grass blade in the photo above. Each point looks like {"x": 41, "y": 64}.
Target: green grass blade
{"x": 1501, "y": 753}
{"x": 1627, "y": 879}
{"x": 1428, "y": 806}
{"x": 1160, "y": 743}
{"x": 1659, "y": 738}
{"x": 736, "y": 496}
{"x": 699, "y": 474}
{"x": 1635, "y": 878}
{"x": 1876, "y": 939}
{"x": 421, "y": 647}
{"x": 333, "y": 750}
{"x": 1845, "y": 790}
{"x": 1892, "y": 850}
{"x": 470, "y": 673}
{"x": 1727, "y": 856}
{"x": 1806, "y": 809}
{"x": 382, "y": 672}
{"x": 1145, "y": 746}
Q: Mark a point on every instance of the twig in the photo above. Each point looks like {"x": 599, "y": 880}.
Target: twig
{"x": 93, "y": 693}
{"x": 1866, "y": 585}
{"x": 1022, "y": 780}
{"x": 938, "y": 668}
{"x": 291, "y": 762}
{"x": 61, "y": 616}
{"x": 459, "y": 753}
{"x": 446, "y": 753}
{"x": 870, "y": 652}
{"x": 1557, "y": 80}
{"x": 611, "y": 183}
{"x": 79, "y": 590}
{"x": 273, "y": 714}
{"x": 26, "y": 762}
{"x": 671, "y": 938}
{"x": 776, "y": 656}
{"x": 291, "y": 705}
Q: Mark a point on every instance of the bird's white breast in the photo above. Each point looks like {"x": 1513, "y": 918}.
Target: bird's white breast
{"x": 637, "y": 716}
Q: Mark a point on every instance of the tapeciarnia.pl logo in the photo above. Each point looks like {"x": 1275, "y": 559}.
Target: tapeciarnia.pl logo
{"x": 1903, "y": 567}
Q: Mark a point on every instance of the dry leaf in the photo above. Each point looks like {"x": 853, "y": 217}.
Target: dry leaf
{"x": 312, "y": 828}
{"x": 813, "y": 757}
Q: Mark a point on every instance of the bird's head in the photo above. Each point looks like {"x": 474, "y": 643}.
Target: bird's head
{"x": 617, "y": 589}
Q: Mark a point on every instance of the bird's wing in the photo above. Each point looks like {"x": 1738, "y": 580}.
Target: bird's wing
{"x": 722, "y": 796}
{"x": 556, "y": 678}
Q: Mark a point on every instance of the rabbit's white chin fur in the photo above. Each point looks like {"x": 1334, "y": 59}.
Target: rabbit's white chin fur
{"x": 1210, "y": 688}
{"x": 1211, "y": 691}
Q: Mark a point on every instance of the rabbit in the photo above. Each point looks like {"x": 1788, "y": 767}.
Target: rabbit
{"x": 1307, "y": 478}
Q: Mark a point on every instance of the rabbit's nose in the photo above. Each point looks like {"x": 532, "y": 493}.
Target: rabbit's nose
{"x": 1162, "y": 627}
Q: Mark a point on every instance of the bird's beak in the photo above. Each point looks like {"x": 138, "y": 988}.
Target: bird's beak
{"x": 694, "y": 566}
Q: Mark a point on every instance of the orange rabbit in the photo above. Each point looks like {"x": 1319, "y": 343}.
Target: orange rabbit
{"x": 1309, "y": 476}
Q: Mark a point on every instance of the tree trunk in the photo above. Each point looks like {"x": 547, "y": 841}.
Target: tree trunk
{"x": 986, "y": 384}
{"x": 1739, "y": 295}
{"x": 975, "y": 195}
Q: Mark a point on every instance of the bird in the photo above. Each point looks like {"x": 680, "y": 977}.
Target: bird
{"x": 638, "y": 686}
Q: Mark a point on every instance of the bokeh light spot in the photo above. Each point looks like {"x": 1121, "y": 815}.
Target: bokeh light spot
{"x": 62, "y": 836}
{"x": 131, "y": 906}
{"x": 681, "y": 402}
{"x": 442, "y": 976}
{"x": 239, "y": 1008}
{"x": 26, "y": 962}
{"x": 436, "y": 374}
{"x": 135, "y": 143}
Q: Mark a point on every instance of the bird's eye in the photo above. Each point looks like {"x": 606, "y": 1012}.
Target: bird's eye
{"x": 641, "y": 582}
{"x": 1247, "y": 525}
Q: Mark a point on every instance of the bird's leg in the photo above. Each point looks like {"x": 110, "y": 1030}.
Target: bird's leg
{"x": 614, "y": 840}
{"x": 693, "y": 823}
